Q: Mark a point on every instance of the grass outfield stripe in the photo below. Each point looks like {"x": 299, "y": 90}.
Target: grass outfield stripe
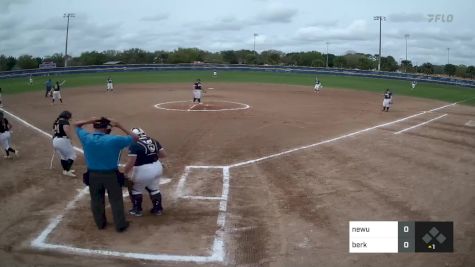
{"x": 442, "y": 92}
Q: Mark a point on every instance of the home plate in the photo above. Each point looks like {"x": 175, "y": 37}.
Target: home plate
{"x": 470, "y": 123}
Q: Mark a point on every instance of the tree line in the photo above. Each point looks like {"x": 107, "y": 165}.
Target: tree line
{"x": 351, "y": 60}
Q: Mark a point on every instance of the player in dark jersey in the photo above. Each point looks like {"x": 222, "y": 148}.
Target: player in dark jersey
{"x": 145, "y": 170}
{"x": 197, "y": 91}
{"x": 5, "y": 136}
{"x": 62, "y": 142}
{"x": 387, "y": 101}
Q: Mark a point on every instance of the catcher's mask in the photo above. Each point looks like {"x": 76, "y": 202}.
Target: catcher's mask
{"x": 138, "y": 131}
{"x": 103, "y": 123}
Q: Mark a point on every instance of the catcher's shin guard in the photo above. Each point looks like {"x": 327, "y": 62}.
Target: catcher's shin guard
{"x": 64, "y": 164}
{"x": 157, "y": 204}
{"x": 137, "y": 205}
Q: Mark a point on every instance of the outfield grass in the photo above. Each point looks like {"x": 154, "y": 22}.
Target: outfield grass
{"x": 447, "y": 93}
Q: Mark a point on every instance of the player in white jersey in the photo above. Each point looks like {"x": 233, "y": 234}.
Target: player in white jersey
{"x": 144, "y": 169}
{"x": 317, "y": 86}
{"x": 110, "y": 86}
{"x": 413, "y": 84}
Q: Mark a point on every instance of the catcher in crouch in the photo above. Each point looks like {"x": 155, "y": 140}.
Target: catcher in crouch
{"x": 144, "y": 171}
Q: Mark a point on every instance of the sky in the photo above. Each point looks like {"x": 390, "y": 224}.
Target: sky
{"x": 38, "y": 28}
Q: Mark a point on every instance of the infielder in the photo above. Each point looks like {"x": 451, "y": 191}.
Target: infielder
{"x": 110, "y": 86}
{"x": 145, "y": 168}
{"x": 5, "y": 136}
{"x": 197, "y": 91}
{"x": 413, "y": 84}
{"x": 387, "y": 101}
{"x": 317, "y": 87}
{"x": 62, "y": 142}
{"x": 57, "y": 92}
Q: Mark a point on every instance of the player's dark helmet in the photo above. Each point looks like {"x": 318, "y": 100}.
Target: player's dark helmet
{"x": 65, "y": 115}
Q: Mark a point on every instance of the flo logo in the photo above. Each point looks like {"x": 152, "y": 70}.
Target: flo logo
{"x": 444, "y": 18}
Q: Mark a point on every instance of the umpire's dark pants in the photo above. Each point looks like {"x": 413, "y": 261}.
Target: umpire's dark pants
{"x": 99, "y": 182}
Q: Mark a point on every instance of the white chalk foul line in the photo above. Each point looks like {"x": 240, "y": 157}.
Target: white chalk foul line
{"x": 218, "y": 248}
{"x": 36, "y": 128}
{"x": 336, "y": 138}
{"x": 40, "y": 241}
{"x": 201, "y": 198}
{"x": 420, "y": 124}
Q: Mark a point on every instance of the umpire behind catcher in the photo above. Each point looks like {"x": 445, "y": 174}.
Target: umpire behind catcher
{"x": 101, "y": 151}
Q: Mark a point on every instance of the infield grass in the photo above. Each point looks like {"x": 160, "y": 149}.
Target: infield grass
{"x": 447, "y": 93}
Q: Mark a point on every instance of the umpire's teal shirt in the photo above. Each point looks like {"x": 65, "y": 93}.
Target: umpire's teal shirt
{"x": 102, "y": 150}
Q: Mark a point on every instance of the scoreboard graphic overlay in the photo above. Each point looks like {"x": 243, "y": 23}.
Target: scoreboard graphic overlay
{"x": 400, "y": 236}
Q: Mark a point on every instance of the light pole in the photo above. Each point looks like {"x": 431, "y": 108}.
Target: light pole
{"x": 406, "y": 36}
{"x": 67, "y": 15}
{"x": 448, "y": 55}
{"x": 255, "y": 34}
{"x": 327, "y": 54}
{"x": 380, "y": 18}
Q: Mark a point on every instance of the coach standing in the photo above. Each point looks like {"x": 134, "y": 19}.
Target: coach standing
{"x": 101, "y": 151}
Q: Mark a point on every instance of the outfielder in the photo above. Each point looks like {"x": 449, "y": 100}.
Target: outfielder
{"x": 62, "y": 142}
{"x": 5, "y": 136}
{"x": 215, "y": 74}
{"x": 57, "y": 92}
{"x": 387, "y": 101}
{"x": 1, "y": 103}
{"x": 110, "y": 86}
{"x": 30, "y": 81}
{"x": 145, "y": 168}
{"x": 413, "y": 84}
{"x": 197, "y": 91}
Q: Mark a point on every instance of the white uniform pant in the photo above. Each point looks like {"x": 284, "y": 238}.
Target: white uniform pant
{"x": 386, "y": 103}
{"x": 64, "y": 148}
{"x": 110, "y": 86}
{"x": 196, "y": 93}
{"x": 317, "y": 87}
{"x": 147, "y": 175}
{"x": 56, "y": 95}
{"x": 5, "y": 140}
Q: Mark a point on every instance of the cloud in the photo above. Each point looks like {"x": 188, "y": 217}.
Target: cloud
{"x": 407, "y": 17}
{"x": 5, "y": 5}
{"x": 221, "y": 24}
{"x": 277, "y": 14}
{"x": 158, "y": 17}
{"x": 355, "y": 31}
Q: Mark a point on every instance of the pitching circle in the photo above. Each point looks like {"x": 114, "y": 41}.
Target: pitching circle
{"x": 211, "y": 106}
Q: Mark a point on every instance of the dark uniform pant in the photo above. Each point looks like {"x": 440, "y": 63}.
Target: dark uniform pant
{"x": 99, "y": 182}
